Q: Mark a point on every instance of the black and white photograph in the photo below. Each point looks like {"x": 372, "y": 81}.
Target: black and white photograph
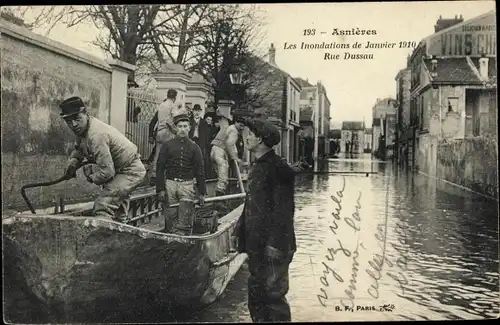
{"x": 247, "y": 163}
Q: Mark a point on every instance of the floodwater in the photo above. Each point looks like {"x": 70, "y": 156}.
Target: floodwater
{"x": 425, "y": 249}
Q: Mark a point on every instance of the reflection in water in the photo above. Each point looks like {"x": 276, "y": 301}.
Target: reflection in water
{"x": 441, "y": 260}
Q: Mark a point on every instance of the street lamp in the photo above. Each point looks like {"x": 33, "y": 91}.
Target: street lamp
{"x": 236, "y": 77}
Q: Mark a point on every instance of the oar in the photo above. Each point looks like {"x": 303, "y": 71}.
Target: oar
{"x": 217, "y": 198}
{"x": 238, "y": 173}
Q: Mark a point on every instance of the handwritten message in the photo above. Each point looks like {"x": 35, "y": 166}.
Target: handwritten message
{"x": 339, "y": 256}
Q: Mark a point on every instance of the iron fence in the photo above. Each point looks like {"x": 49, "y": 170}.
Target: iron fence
{"x": 141, "y": 107}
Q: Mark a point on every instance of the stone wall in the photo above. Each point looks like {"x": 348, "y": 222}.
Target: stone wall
{"x": 37, "y": 73}
{"x": 472, "y": 163}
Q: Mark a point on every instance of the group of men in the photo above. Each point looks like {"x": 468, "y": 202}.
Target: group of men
{"x": 265, "y": 230}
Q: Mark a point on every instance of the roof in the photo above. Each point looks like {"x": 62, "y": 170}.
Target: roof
{"x": 453, "y": 71}
{"x": 456, "y": 26}
{"x": 351, "y": 125}
{"x": 376, "y": 121}
{"x": 303, "y": 83}
{"x": 492, "y": 66}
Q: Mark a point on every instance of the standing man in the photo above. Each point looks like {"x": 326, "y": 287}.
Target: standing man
{"x": 211, "y": 133}
{"x": 265, "y": 230}
{"x": 165, "y": 128}
{"x": 224, "y": 150}
{"x": 199, "y": 130}
{"x": 180, "y": 161}
{"x": 116, "y": 163}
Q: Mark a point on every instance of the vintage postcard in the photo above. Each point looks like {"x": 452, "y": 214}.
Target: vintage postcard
{"x": 292, "y": 162}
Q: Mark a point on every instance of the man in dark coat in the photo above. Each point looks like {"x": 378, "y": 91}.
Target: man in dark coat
{"x": 200, "y": 134}
{"x": 199, "y": 129}
{"x": 212, "y": 131}
{"x": 265, "y": 230}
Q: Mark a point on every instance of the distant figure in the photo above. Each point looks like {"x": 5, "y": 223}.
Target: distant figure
{"x": 198, "y": 131}
{"x": 265, "y": 229}
{"x": 212, "y": 130}
{"x": 115, "y": 162}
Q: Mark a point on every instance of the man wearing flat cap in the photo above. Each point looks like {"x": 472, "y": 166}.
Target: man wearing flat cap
{"x": 180, "y": 162}
{"x": 265, "y": 230}
{"x": 115, "y": 162}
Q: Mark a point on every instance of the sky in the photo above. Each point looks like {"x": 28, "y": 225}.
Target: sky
{"x": 352, "y": 86}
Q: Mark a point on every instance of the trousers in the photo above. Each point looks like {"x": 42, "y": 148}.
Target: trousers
{"x": 162, "y": 136}
{"x": 221, "y": 164}
{"x": 180, "y": 220}
{"x": 113, "y": 201}
{"x": 267, "y": 286}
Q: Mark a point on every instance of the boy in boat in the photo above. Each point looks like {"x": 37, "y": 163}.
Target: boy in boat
{"x": 224, "y": 149}
{"x": 116, "y": 163}
{"x": 179, "y": 162}
{"x": 265, "y": 230}
{"x": 165, "y": 130}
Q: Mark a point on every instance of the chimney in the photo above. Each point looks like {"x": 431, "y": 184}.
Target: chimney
{"x": 272, "y": 54}
{"x": 434, "y": 63}
{"x": 447, "y": 22}
{"x": 483, "y": 67}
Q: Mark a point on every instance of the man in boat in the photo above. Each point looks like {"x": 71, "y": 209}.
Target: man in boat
{"x": 224, "y": 149}
{"x": 180, "y": 162}
{"x": 165, "y": 130}
{"x": 265, "y": 230}
{"x": 116, "y": 163}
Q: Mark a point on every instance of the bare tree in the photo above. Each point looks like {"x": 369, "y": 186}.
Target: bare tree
{"x": 229, "y": 44}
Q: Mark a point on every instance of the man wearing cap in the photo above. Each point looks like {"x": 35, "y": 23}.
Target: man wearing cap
{"x": 165, "y": 130}
{"x": 179, "y": 162}
{"x": 265, "y": 230}
{"x": 116, "y": 163}
{"x": 224, "y": 149}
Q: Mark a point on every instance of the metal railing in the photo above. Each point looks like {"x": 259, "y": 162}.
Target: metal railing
{"x": 141, "y": 107}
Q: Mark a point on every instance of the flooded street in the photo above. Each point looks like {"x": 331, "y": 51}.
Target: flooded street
{"x": 424, "y": 249}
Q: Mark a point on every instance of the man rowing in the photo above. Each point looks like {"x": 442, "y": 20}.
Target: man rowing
{"x": 115, "y": 162}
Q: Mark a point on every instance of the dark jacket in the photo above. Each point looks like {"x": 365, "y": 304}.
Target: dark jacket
{"x": 203, "y": 140}
{"x": 182, "y": 159}
{"x": 267, "y": 218}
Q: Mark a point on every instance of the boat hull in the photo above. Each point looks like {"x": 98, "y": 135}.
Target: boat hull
{"x": 84, "y": 269}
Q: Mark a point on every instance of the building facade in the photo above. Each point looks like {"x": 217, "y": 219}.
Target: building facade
{"x": 368, "y": 145}
{"x": 379, "y": 111}
{"x": 279, "y": 96}
{"x": 403, "y": 135}
{"x": 315, "y": 111}
{"x": 352, "y": 137}
{"x": 453, "y": 106}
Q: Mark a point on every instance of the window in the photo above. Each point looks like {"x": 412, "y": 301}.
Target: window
{"x": 452, "y": 105}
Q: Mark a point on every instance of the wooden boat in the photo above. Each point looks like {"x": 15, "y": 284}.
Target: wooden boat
{"x": 71, "y": 267}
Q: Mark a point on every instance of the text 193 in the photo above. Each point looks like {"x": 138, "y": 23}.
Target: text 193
{"x": 309, "y": 32}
